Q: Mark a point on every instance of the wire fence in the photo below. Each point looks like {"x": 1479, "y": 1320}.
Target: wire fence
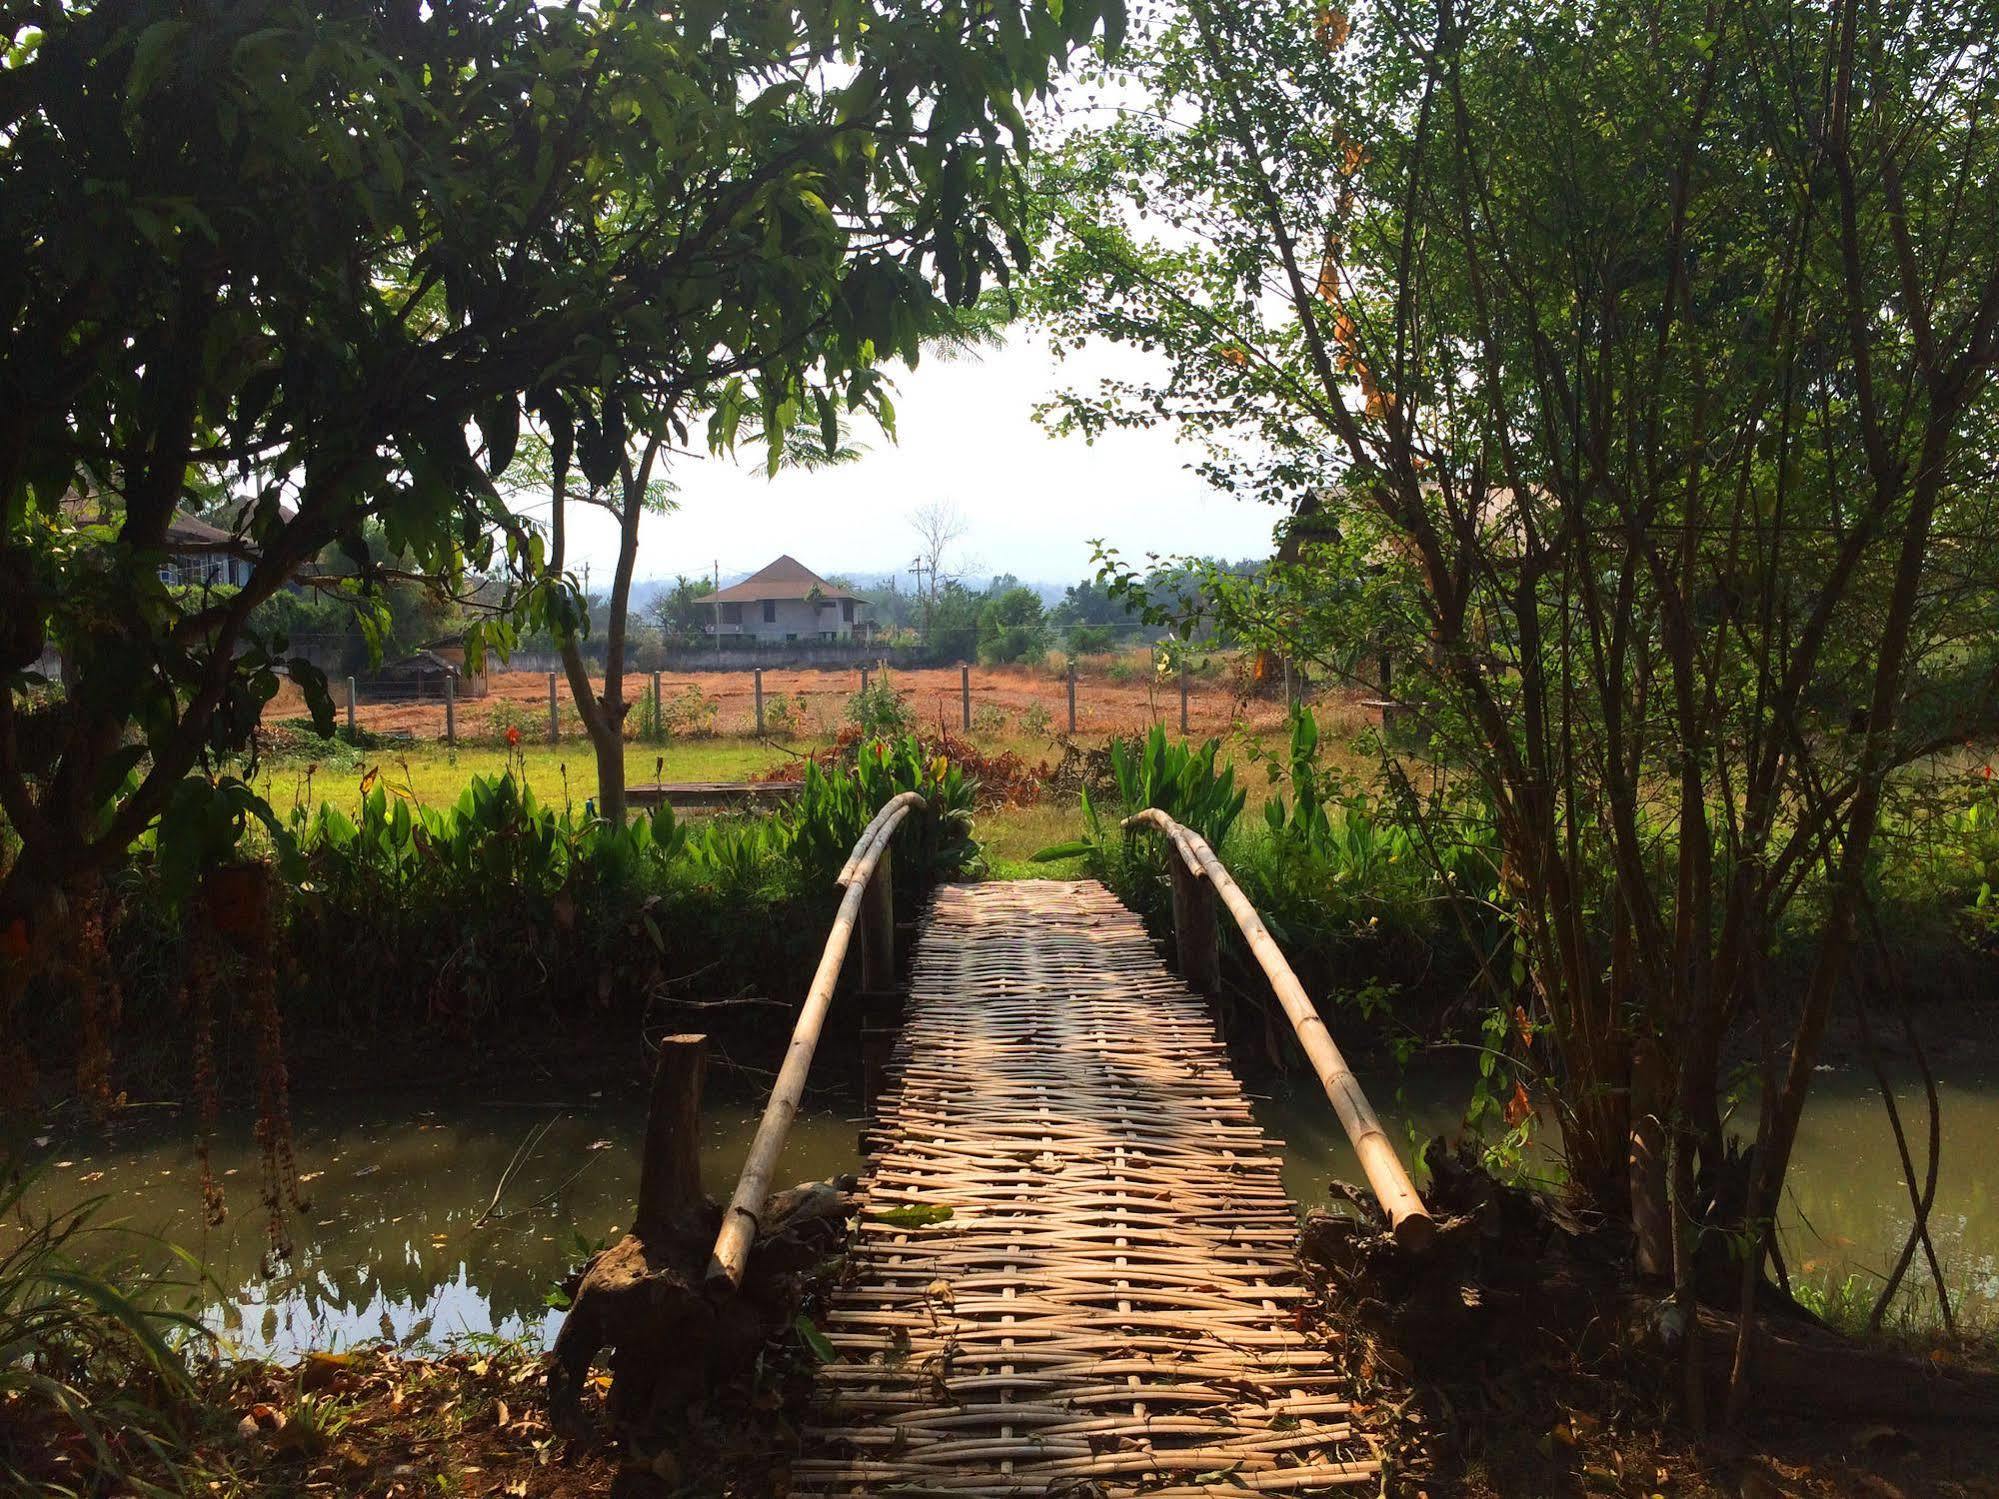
{"x": 522, "y": 709}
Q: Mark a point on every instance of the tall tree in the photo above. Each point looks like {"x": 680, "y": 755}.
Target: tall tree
{"x": 939, "y": 526}
{"x": 321, "y": 243}
{"x": 1629, "y": 371}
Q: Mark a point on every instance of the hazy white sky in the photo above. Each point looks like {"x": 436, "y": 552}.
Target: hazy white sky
{"x": 967, "y": 434}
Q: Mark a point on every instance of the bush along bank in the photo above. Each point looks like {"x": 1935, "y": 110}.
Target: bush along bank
{"x": 1388, "y": 899}
{"x": 409, "y": 936}
{"x": 1370, "y": 914}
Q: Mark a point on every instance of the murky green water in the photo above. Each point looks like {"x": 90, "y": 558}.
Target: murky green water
{"x": 399, "y": 1243}
{"x": 1846, "y": 1210}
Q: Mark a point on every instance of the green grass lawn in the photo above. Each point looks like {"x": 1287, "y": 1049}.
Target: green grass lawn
{"x": 436, "y": 775}
{"x": 1011, "y": 835}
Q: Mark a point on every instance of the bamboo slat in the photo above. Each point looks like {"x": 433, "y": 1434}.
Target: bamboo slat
{"x": 1408, "y": 1219}
{"x": 1108, "y": 1308}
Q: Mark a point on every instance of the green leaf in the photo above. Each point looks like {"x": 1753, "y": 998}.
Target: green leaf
{"x": 1075, "y": 848}
{"x": 152, "y": 55}
{"x": 822, "y": 1349}
{"x": 912, "y": 1215}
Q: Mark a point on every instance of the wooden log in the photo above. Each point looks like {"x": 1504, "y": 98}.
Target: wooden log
{"x": 878, "y": 929}
{"x": 1408, "y": 1219}
{"x": 670, "y": 1165}
{"x": 739, "y": 1223}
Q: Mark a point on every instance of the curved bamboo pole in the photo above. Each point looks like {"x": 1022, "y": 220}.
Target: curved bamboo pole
{"x": 739, "y": 1222}
{"x": 1408, "y": 1219}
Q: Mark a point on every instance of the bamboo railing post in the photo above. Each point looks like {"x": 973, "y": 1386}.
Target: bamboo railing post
{"x": 1408, "y": 1219}
{"x": 1196, "y": 937}
{"x": 878, "y": 930}
{"x": 746, "y": 1206}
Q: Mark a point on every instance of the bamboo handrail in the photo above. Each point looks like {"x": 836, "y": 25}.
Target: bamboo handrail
{"x": 1408, "y": 1219}
{"x": 739, "y": 1222}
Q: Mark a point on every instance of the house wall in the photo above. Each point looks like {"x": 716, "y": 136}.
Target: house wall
{"x": 790, "y": 620}
{"x": 192, "y": 569}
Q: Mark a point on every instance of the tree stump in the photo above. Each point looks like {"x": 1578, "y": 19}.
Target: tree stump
{"x": 646, "y": 1296}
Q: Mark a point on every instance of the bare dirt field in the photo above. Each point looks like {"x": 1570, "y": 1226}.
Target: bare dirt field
{"x": 1112, "y": 696}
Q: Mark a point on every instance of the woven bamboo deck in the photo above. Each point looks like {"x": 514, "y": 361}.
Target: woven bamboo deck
{"x": 1108, "y": 1309}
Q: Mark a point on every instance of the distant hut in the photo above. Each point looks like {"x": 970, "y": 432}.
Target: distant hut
{"x": 417, "y": 677}
{"x": 452, "y": 649}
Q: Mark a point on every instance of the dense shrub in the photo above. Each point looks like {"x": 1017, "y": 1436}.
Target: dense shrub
{"x": 501, "y": 917}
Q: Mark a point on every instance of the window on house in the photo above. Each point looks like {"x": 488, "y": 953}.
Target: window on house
{"x": 770, "y": 611}
{"x": 846, "y": 611}
{"x": 732, "y": 614}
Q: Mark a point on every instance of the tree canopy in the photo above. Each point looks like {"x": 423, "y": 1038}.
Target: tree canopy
{"x": 329, "y": 256}
{"x": 1627, "y": 375}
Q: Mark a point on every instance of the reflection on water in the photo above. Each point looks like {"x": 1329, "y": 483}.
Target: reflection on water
{"x": 395, "y": 1245}
{"x": 1846, "y": 1210}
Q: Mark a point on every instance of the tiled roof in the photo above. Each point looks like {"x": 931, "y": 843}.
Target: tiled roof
{"x": 786, "y": 578}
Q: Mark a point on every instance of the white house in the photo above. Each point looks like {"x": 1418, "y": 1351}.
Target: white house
{"x": 785, "y": 601}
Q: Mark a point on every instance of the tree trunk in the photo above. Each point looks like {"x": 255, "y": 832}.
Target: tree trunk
{"x": 645, "y": 1296}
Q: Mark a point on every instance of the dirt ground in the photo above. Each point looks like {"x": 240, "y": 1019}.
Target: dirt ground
{"x": 1113, "y": 695}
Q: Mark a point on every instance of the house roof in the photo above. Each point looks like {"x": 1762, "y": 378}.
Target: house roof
{"x": 417, "y": 663}
{"x": 185, "y": 533}
{"x": 190, "y": 533}
{"x": 786, "y": 578}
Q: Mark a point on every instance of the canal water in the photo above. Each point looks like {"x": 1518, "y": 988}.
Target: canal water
{"x": 404, "y": 1240}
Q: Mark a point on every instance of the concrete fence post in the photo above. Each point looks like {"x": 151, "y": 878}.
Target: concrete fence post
{"x": 864, "y": 681}
{"x": 1183, "y": 694}
{"x": 554, "y": 723}
{"x": 658, "y": 713}
{"x": 350, "y": 708}
{"x": 965, "y": 694}
{"x": 451, "y": 709}
{"x": 1072, "y": 694}
{"x": 757, "y": 682}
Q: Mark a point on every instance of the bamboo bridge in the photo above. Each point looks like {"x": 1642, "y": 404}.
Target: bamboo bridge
{"x": 1073, "y": 1268}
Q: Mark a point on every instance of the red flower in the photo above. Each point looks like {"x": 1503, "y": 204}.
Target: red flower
{"x": 513, "y": 738}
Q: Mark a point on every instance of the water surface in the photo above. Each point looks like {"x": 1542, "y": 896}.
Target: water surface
{"x": 400, "y": 1243}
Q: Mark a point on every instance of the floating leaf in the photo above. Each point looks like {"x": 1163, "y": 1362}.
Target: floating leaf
{"x": 913, "y": 1215}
